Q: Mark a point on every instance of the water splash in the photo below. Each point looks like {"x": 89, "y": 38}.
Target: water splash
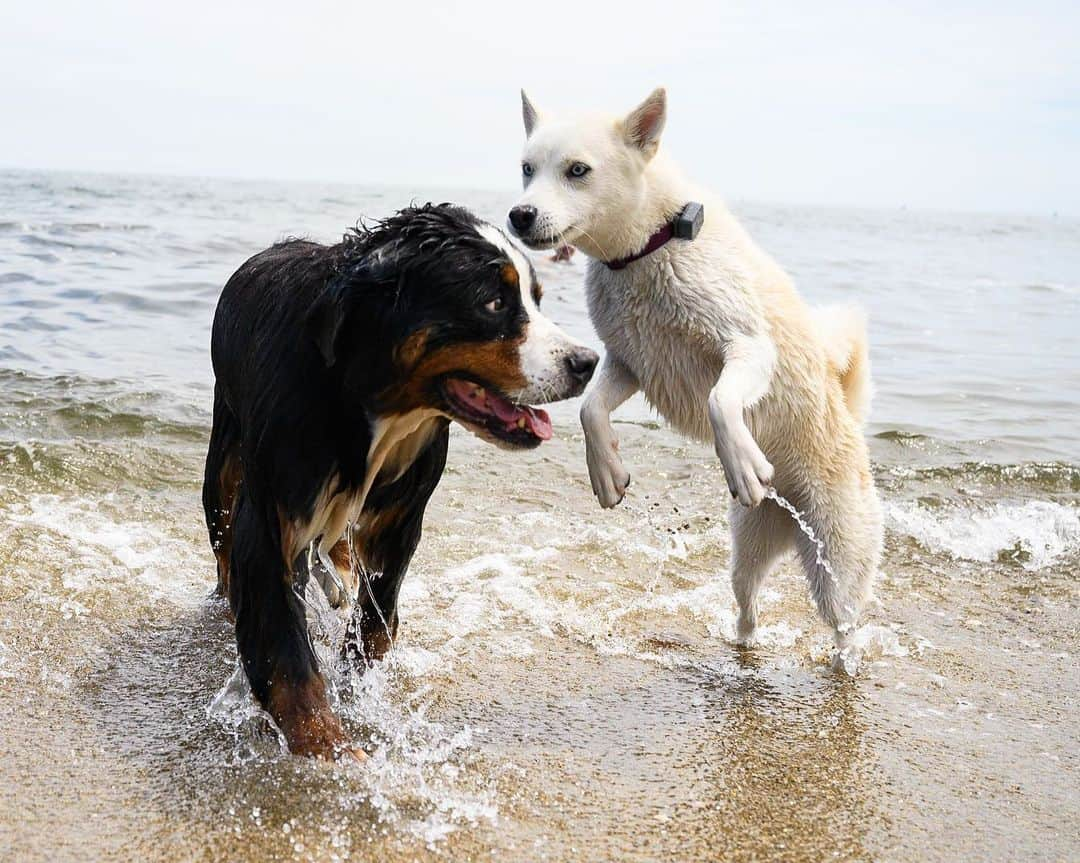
{"x": 1034, "y": 534}
{"x": 666, "y": 544}
{"x": 805, "y": 527}
{"x": 358, "y": 572}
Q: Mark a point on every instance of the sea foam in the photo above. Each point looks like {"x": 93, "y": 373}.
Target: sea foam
{"x": 1035, "y": 534}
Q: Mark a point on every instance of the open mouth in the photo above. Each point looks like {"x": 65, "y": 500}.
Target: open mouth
{"x": 565, "y": 237}
{"x": 490, "y": 414}
{"x": 538, "y": 243}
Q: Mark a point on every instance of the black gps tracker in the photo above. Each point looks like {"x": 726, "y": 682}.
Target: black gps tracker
{"x": 688, "y": 223}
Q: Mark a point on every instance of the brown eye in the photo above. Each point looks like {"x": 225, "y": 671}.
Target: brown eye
{"x": 496, "y": 305}
{"x": 537, "y": 294}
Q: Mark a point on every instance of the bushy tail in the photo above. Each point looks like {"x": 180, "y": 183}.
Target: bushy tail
{"x": 843, "y": 330}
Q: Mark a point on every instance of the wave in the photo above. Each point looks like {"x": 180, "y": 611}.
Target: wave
{"x": 1051, "y": 476}
{"x": 73, "y": 227}
{"x": 69, "y": 245}
{"x": 106, "y": 553}
{"x": 69, "y": 408}
{"x": 1034, "y": 534}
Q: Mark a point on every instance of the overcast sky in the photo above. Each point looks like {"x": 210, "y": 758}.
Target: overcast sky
{"x": 973, "y": 106}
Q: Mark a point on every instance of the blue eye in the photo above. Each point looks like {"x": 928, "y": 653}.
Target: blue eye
{"x": 578, "y": 170}
{"x": 526, "y": 169}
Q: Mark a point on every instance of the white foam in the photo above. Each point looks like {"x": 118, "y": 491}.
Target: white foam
{"x": 507, "y": 595}
{"x": 868, "y": 643}
{"x": 1038, "y": 533}
{"x": 6, "y": 665}
{"x": 107, "y": 553}
{"x": 417, "y": 776}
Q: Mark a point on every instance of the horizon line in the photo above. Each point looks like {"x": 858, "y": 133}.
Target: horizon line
{"x": 1052, "y": 214}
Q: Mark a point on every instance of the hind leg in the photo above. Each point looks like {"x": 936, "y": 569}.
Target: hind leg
{"x": 848, "y": 523}
{"x": 760, "y": 536}
{"x": 221, "y": 481}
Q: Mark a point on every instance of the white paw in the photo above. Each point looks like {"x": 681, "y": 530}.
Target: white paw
{"x": 746, "y": 627}
{"x": 749, "y": 474}
{"x": 847, "y": 660}
{"x": 747, "y": 639}
{"x": 606, "y": 472}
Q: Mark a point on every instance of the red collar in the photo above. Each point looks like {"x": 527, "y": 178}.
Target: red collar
{"x": 655, "y": 242}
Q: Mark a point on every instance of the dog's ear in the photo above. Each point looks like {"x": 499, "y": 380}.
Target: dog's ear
{"x": 529, "y": 114}
{"x": 328, "y": 314}
{"x": 644, "y": 125}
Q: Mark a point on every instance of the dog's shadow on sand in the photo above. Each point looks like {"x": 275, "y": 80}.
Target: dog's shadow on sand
{"x": 788, "y": 763}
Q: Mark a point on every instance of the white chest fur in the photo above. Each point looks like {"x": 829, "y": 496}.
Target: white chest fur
{"x": 667, "y": 317}
{"x": 395, "y": 443}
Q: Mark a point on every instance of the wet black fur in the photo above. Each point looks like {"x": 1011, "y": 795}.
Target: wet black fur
{"x": 303, "y": 343}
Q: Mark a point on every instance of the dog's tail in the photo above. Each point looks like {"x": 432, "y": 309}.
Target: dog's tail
{"x": 843, "y": 330}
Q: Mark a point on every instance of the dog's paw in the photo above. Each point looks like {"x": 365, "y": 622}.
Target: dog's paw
{"x": 847, "y": 661}
{"x": 746, "y": 631}
{"x": 608, "y": 476}
{"x": 749, "y": 474}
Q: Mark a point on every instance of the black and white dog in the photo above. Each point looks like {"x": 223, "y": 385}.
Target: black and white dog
{"x": 338, "y": 370}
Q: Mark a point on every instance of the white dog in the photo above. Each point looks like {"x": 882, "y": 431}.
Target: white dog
{"x": 715, "y": 335}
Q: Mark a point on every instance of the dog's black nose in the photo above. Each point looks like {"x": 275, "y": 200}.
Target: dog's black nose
{"x": 522, "y": 218}
{"x": 582, "y": 363}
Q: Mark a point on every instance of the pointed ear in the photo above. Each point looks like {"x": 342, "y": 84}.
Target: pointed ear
{"x": 529, "y": 114}
{"x": 644, "y": 125}
{"x": 325, "y": 319}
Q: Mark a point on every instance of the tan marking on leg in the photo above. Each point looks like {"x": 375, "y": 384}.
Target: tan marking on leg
{"x": 290, "y": 547}
{"x": 376, "y": 640}
{"x": 339, "y": 554}
{"x": 302, "y": 712}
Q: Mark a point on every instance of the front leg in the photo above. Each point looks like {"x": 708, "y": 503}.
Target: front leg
{"x": 383, "y": 541}
{"x": 614, "y": 385}
{"x": 272, "y": 638}
{"x": 747, "y": 374}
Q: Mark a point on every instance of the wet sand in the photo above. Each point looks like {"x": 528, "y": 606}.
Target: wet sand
{"x": 565, "y": 688}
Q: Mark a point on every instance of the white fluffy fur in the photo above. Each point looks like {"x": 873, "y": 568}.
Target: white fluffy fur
{"x": 715, "y": 335}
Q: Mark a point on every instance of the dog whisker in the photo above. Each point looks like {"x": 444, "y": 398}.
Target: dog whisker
{"x": 588, "y": 236}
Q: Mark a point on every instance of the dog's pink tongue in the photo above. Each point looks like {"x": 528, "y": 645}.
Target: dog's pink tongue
{"x": 539, "y": 422}
{"x": 536, "y": 420}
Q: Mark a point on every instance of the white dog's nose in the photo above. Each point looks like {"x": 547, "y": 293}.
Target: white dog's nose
{"x": 581, "y": 364}
{"x": 522, "y": 218}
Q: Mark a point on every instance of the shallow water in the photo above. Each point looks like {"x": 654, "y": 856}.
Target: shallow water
{"x": 565, "y": 686}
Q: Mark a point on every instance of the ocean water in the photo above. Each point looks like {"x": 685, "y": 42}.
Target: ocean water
{"x": 565, "y": 685}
